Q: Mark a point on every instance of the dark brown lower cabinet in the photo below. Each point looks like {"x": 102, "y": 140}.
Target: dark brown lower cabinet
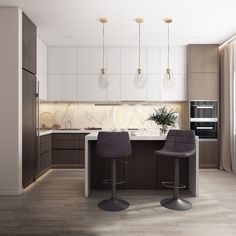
{"x": 45, "y": 154}
{"x": 208, "y": 154}
{"x": 68, "y": 150}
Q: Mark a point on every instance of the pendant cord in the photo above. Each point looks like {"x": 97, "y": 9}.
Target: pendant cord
{"x": 103, "y": 46}
{"x": 139, "y": 60}
{"x": 168, "y": 48}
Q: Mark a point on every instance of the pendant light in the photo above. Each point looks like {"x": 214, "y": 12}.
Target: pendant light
{"x": 139, "y": 78}
{"x": 139, "y": 73}
{"x": 103, "y": 80}
{"x": 168, "y": 79}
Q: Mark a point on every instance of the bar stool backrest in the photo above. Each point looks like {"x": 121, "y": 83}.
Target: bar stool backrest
{"x": 113, "y": 145}
{"x": 180, "y": 141}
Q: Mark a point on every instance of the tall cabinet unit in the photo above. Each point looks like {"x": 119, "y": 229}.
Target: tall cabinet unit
{"x": 29, "y": 155}
{"x": 203, "y": 85}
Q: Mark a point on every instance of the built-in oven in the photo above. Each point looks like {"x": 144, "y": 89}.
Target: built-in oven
{"x": 204, "y": 119}
{"x": 205, "y": 130}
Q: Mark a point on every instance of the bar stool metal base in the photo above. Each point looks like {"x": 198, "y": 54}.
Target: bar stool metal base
{"x": 176, "y": 204}
{"x": 113, "y": 205}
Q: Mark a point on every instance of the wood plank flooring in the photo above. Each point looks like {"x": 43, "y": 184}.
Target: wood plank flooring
{"x": 55, "y": 205}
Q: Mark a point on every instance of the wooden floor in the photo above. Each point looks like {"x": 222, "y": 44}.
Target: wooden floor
{"x": 55, "y": 205}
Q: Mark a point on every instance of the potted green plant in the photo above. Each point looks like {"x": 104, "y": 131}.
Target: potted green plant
{"x": 164, "y": 118}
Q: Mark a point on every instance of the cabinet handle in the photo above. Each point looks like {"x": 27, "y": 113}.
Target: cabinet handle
{"x": 206, "y": 128}
{"x": 204, "y": 107}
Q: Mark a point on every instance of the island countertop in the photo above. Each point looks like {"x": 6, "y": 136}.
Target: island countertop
{"x": 134, "y": 135}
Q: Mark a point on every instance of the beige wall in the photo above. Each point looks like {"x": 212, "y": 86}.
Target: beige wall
{"x": 10, "y": 101}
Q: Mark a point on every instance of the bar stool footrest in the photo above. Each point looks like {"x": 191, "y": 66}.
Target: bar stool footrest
{"x": 118, "y": 181}
{"x": 172, "y": 185}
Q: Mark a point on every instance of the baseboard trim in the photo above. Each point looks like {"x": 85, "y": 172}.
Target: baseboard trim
{"x": 11, "y": 193}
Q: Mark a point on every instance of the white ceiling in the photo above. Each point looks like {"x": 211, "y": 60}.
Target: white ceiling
{"x": 75, "y": 22}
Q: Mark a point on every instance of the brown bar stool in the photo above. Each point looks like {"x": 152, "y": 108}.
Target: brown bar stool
{"x": 179, "y": 144}
{"x": 113, "y": 146}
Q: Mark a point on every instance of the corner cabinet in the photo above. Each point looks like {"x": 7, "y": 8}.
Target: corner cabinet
{"x": 68, "y": 150}
{"x": 45, "y": 154}
{"x": 73, "y": 74}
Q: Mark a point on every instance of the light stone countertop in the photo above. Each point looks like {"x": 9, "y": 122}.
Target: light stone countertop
{"x": 134, "y": 135}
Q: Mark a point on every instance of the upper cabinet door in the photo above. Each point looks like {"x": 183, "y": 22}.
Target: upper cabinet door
{"x": 203, "y": 58}
{"x": 62, "y": 87}
{"x": 131, "y": 90}
{"x": 176, "y": 90}
{"x": 89, "y": 60}
{"x": 42, "y": 55}
{"x": 153, "y": 87}
{"x": 154, "y": 60}
{"x": 89, "y": 89}
{"x": 113, "y": 90}
{"x": 113, "y": 64}
{"x": 178, "y": 59}
{"x": 129, "y": 60}
{"x": 62, "y": 60}
{"x": 29, "y": 38}
{"x": 42, "y": 68}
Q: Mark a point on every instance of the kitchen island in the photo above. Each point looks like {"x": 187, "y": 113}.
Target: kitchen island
{"x": 144, "y": 170}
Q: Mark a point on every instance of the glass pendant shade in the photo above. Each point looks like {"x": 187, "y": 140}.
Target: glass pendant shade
{"x": 103, "y": 81}
{"x": 139, "y": 79}
{"x": 168, "y": 79}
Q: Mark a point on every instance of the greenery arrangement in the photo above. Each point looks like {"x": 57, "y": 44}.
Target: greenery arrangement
{"x": 164, "y": 118}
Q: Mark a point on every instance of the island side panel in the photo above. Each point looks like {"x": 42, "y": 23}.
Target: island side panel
{"x": 141, "y": 171}
{"x": 194, "y": 170}
{"x": 144, "y": 169}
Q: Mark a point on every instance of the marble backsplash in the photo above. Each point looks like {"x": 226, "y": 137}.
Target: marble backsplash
{"x": 77, "y": 115}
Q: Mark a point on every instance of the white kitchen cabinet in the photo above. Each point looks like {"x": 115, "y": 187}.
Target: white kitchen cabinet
{"x": 178, "y": 59}
{"x": 113, "y": 90}
{"x": 42, "y": 68}
{"x": 62, "y": 60}
{"x": 129, "y": 60}
{"x": 62, "y": 87}
{"x": 43, "y": 84}
{"x": 176, "y": 91}
{"x": 88, "y": 88}
{"x": 84, "y": 63}
{"x": 41, "y": 55}
{"x": 153, "y": 60}
{"x": 113, "y": 64}
{"x": 89, "y": 60}
{"x": 153, "y": 87}
{"x": 130, "y": 90}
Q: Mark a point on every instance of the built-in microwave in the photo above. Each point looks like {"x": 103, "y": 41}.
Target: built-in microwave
{"x": 203, "y": 109}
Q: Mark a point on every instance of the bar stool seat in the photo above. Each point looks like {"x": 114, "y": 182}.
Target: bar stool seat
{"x": 113, "y": 146}
{"x": 180, "y": 144}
